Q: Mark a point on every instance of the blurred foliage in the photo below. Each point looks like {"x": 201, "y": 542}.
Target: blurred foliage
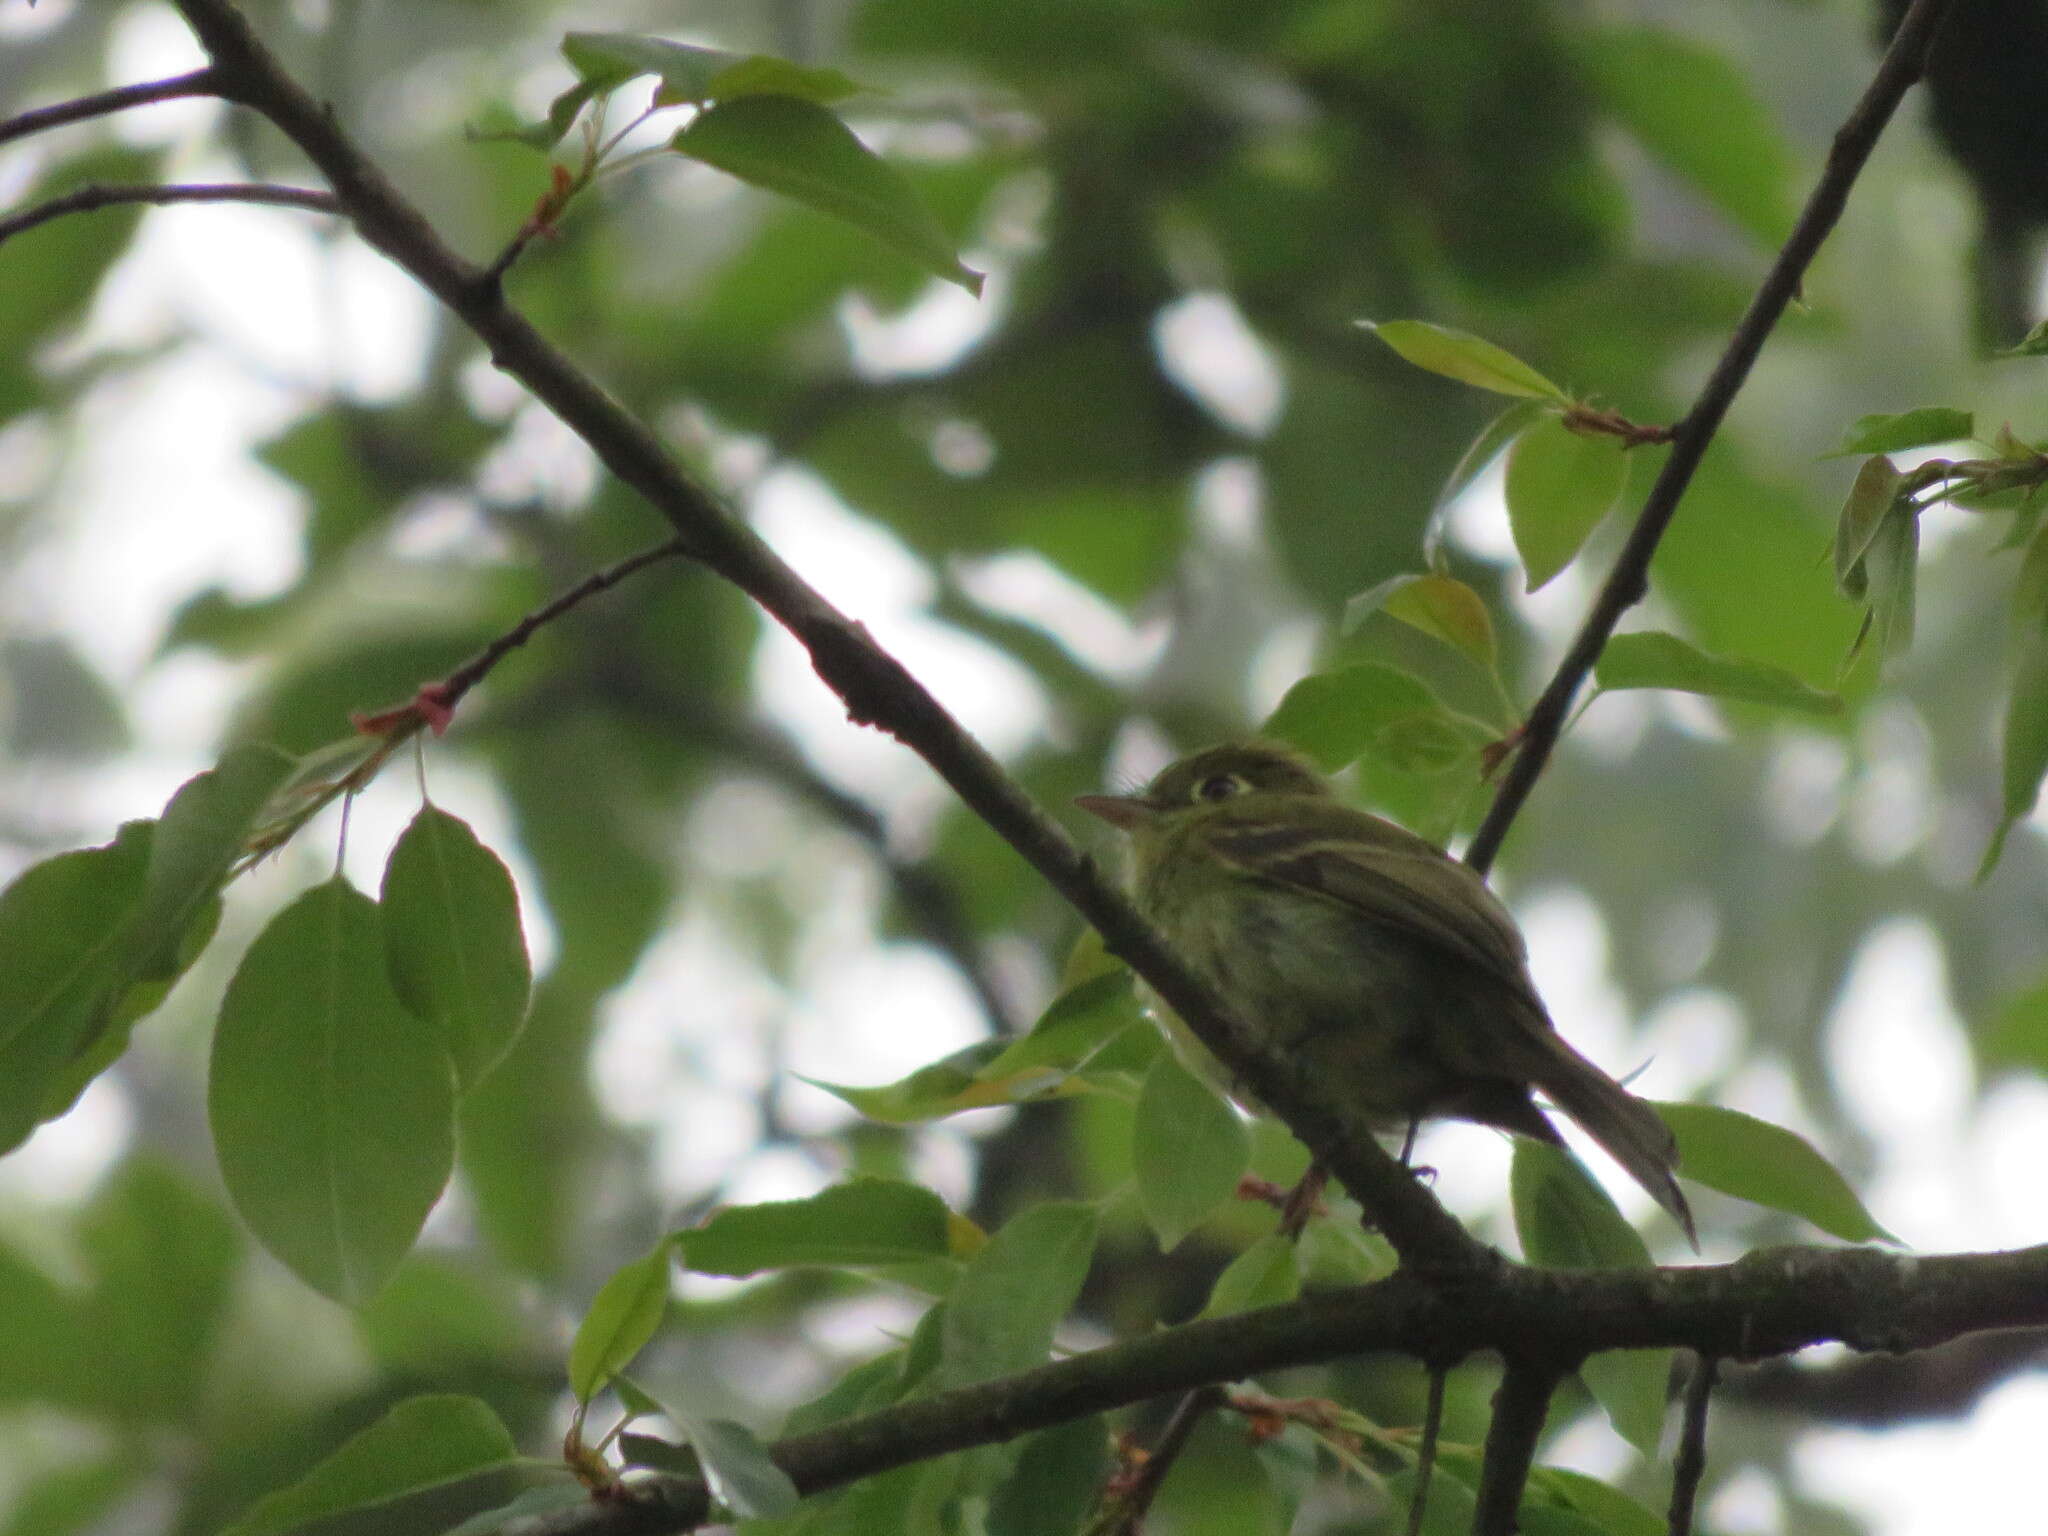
{"x": 1083, "y": 499}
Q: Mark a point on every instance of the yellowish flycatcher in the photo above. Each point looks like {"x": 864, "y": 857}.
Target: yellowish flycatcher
{"x": 1367, "y": 952}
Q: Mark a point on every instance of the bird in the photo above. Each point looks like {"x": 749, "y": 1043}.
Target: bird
{"x": 1365, "y": 951}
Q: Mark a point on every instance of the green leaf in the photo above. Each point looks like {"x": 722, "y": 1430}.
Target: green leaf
{"x": 1892, "y": 563}
{"x": 1564, "y": 1218}
{"x": 1631, "y": 1386}
{"x": 333, "y": 1110}
{"x": 1907, "y": 429}
{"x": 1338, "y": 716}
{"x": 1492, "y": 441}
{"x": 622, "y": 1318}
{"x": 1871, "y": 500}
{"x": 1059, "y": 1476}
{"x": 860, "y": 1222}
{"x": 1189, "y": 1149}
{"x": 199, "y": 837}
{"x": 802, "y": 151}
{"x": 547, "y": 1499}
{"x": 1442, "y": 607}
{"x": 1001, "y": 1315}
{"x": 1693, "y": 109}
{"x": 1264, "y": 1275}
{"x": 967, "y": 1079}
{"x": 737, "y": 1467}
{"x": 1467, "y": 358}
{"x": 1653, "y": 659}
{"x": 607, "y": 60}
{"x": 422, "y": 1443}
{"x": 1073, "y": 1027}
{"x": 1610, "y": 1511}
{"x": 452, "y": 937}
{"x": 64, "y": 955}
{"x": 1766, "y": 1164}
{"x": 763, "y": 74}
{"x": 2017, "y": 1033}
{"x": 1560, "y": 485}
{"x": 2025, "y": 745}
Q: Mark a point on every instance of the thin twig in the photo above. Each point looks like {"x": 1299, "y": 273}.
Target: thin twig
{"x": 1519, "y": 1408}
{"x": 92, "y": 198}
{"x": 478, "y": 667}
{"x": 200, "y": 82}
{"x": 1425, "y": 1453}
{"x": 1628, "y": 582}
{"x": 1692, "y": 1445}
{"x": 1133, "y": 1500}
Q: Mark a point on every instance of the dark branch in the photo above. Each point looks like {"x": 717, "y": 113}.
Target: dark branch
{"x": 1133, "y": 1501}
{"x": 1692, "y": 1445}
{"x": 39, "y": 119}
{"x": 89, "y": 199}
{"x": 1629, "y": 581}
{"x": 876, "y": 688}
{"x": 1425, "y": 1451}
{"x": 1519, "y": 1408}
{"x": 1773, "y": 1302}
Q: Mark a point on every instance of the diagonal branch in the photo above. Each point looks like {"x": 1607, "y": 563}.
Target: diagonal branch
{"x": 876, "y": 688}
{"x": 82, "y": 108}
{"x": 1629, "y": 581}
{"x": 90, "y": 199}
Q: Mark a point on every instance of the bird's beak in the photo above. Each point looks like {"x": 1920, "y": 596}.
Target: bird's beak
{"x": 1125, "y": 812}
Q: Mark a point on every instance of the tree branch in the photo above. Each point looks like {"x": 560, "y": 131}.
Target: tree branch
{"x": 90, "y": 199}
{"x": 1772, "y": 1302}
{"x": 1519, "y": 1409}
{"x": 1692, "y": 1445}
{"x": 40, "y": 119}
{"x": 876, "y": 688}
{"x": 1629, "y": 581}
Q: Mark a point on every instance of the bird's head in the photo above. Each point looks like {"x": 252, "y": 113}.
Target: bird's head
{"x": 1236, "y": 770}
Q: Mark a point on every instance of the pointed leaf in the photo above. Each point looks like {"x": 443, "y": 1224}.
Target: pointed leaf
{"x": 1766, "y": 1164}
{"x": 1013, "y": 1294}
{"x": 860, "y": 1222}
{"x": 799, "y": 149}
{"x": 1264, "y": 1275}
{"x": 763, "y": 74}
{"x": 606, "y": 60}
{"x": 1188, "y": 1149}
{"x": 1467, "y": 358}
{"x": 452, "y": 935}
{"x": 1073, "y": 1027}
{"x": 2033, "y": 344}
{"x": 333, "y": 1108}
{"x": 1652, "y": 659}
{"x": 737, "y": 1467}
{"x": 198, "y": 838}
{"x": 1871, "y": 498}
{"x": 1442, "y": 607}
{"x": 2025, "y": 745}
{"x": 64, "y": 955}
{"x": 422, "y": 1443}
{"x": 1334, "y": 716}
{"x": 1632, "y": 1387}
{"x": 622, "y": 1318}
{"x": 1059, "y": 1476}
{"x": 1560, "y": 485}
{"x": 1493, "y": 440}
{"x": 1892, "y": 563}
{"x": 1907, "y": 429}
{"x": 967, "y": 1079}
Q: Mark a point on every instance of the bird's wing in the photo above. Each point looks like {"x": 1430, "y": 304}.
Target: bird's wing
{"x": 1389, "y": 876}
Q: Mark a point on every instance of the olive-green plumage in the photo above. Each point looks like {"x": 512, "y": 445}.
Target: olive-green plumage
{"x": 1366, "y": 951}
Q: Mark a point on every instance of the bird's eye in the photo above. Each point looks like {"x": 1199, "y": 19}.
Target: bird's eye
{"x": 1220, "y": 786}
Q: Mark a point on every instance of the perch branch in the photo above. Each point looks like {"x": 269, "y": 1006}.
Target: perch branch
{"x": 88, "y": 199}
{"x": 81, "y": 108}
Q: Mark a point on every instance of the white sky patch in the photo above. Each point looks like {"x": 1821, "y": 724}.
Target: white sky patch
{"x": 1206, "y": 347}
{"x": 1027, "y": 586}
{"x": 1981, "y": 1473}
{"x": 942, "y": 326}
{"x": 1897, "y": 1052}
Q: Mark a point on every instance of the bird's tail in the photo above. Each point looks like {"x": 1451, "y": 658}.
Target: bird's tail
{"x": 1629, "y": 1129}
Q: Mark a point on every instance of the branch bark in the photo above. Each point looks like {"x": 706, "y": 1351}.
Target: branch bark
{"x": 90, "y": 199}
{"x": 83, "y": 108}
{"x": 1772, "y": 1302}
{"x": 1629, "y": 582}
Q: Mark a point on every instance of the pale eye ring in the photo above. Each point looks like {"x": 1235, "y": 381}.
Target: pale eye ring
{"x": 1220, "y": 786}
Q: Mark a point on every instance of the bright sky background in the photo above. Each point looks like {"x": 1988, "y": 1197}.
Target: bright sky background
{"x": 167, "y": 502}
